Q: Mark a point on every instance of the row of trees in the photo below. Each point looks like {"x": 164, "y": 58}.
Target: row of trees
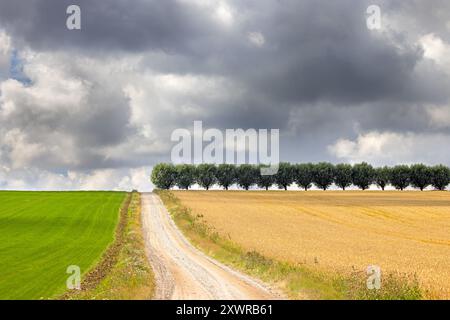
{"x": 323, "y": 175}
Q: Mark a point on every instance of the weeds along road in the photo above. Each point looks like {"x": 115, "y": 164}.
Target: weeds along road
{"x": 182, "y": 271}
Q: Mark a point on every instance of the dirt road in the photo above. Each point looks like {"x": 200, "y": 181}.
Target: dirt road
{"x": 182, "y": 271}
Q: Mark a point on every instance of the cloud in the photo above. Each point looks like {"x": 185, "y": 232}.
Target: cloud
{"x": 439, "y": 116}
{"x": 69, "y": 110}
{"x": 256, "y": 38}
{"x": 224, "y": 14}
{"x": 5, "y": 54}
{"x": 100, "y": 104}
{"x": 437, "y": 50}
{"x": 102, "y": 179}
{"x": 389, "y": 148}
{"x": 75, "y": 117}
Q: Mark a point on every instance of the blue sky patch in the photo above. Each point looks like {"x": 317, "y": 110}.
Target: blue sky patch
{"x": 16, "y": 69}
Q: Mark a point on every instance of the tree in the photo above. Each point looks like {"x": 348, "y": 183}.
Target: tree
{"x": 303, "y": 175}
{"x": 343, "y": 175}
{"x": 440, "y": 177}
{"x": 420, "y": 176}
{"x": 265, "y": 181}
{"x": 382, "y": 177}
{"x": 226, "y": 175}
{"x": 164, "y": 176}
{"x": 400, "y": 177}
{"x": 362, "y": 175}
{"x": 206, "y": 175}
{"x": 246, "y": 175}
{"x": 323, "y": 174}
{"x": 185, "y": 176}
{"x": 285, "y": 175}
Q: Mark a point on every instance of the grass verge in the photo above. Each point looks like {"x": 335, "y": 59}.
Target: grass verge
{"x": 124, "y": 272}
{"x": 298, "y": 281}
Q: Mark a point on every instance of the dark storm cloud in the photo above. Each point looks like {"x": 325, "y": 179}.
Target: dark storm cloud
{"x": 315, "y": 50}
{"x": 421, "y": 17}
{"x": 319, "y": 73}
{"x": 112, "y": 25}
{"x": 318, "y": 53}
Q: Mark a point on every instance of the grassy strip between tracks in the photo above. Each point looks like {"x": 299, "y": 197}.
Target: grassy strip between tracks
{"x": 297, "y": 281}
{"x": 124, "y": 272}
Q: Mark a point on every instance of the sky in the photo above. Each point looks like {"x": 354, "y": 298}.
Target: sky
{"x": 95, "y": 108}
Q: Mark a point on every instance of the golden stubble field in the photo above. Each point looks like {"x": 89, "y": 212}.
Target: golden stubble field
{"x": 407, "y": 232}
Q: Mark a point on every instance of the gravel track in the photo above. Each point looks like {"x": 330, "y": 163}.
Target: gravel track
{"x": 182, "y": 271}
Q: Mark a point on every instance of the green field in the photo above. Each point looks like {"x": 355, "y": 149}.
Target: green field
{"x": 42, "y": 233}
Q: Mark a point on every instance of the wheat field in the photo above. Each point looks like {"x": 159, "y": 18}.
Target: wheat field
{"x": 402, "y": 232}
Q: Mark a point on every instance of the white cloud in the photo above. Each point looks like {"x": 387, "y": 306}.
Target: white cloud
{"x": 224, "y": 14}
{"x": 22, "y": 151}
{"x": 256, "y": 38}
{"x": 102, "y": 179}
{"x": 5, "y": 54}
{"x": 74, "y": 118}
{"x": 388, "y": 148}
{"x": 69, "y": 116}
{"x": 436, "y": 49}
{"x": 222, "y": 10}
{"x": 439, "y": 116}
{"x": 138, "y": 178}
{"x": 5, "y": 43}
